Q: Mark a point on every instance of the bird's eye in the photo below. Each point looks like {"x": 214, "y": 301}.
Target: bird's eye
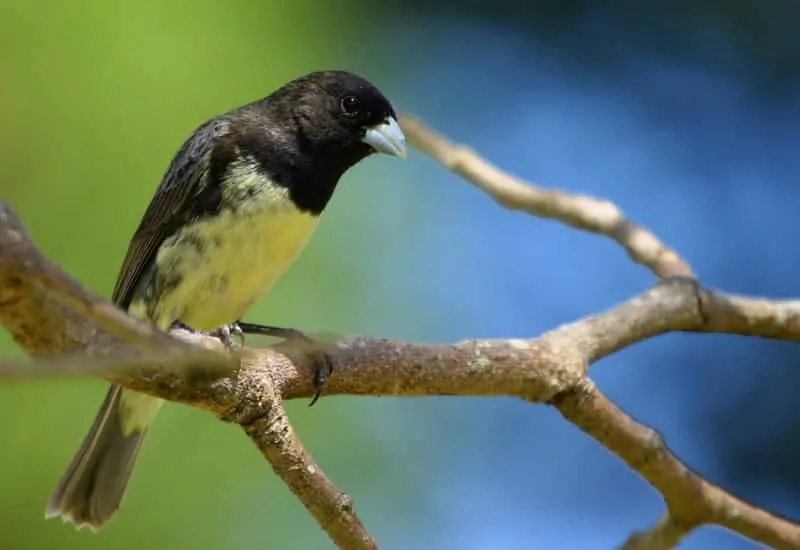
{"x": 350, "y": 105}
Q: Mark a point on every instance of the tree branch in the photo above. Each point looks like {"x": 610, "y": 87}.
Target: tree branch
{"x": 578, "y": 211}
{"x": 274, "y": 436}
{"x": 49, "y": 315}
{"x": 664, "y": 535}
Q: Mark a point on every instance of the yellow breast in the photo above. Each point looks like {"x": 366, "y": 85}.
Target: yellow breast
{"x": 230, "y": 260}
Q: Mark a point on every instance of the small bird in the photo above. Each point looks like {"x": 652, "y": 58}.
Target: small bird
{"x": 238, "y": 203}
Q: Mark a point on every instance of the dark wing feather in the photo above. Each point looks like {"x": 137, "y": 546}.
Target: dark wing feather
{"x": 184, "y": 193}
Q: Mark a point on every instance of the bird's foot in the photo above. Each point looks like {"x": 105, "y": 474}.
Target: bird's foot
{"x": 230, "y": 335}
{"x": 227, "y": 334}
{"x": 323, "y": 362}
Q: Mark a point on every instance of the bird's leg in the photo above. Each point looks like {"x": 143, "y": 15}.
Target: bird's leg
{"x": 323, "y": 362}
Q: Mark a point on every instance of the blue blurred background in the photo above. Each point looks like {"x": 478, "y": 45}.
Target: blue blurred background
{"x": 684, "y": 113}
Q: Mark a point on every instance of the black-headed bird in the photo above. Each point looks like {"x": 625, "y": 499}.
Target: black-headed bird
{"x": 238, "y": 203}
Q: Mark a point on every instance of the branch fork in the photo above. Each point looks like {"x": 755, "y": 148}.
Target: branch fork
{"x": 70, "y": 330}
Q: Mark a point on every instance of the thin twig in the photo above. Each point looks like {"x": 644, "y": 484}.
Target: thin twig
{"x": 579, "y": 211}
{"x": 664, "y": 535}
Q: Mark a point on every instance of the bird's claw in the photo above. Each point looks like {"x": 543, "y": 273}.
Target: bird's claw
{"x": 323, "y": 362}
{"x": 232, "y": 336}
{"x": 323, "y": 368}
{"x": 227, "y": 334}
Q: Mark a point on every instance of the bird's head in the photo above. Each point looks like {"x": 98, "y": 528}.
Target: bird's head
{"x": 340, "y": 115}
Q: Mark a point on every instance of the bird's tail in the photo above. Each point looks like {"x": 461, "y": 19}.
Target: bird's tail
{"x": 91, "y": 490}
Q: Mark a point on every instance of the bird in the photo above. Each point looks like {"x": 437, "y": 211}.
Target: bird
{"x": 237, "y": 204}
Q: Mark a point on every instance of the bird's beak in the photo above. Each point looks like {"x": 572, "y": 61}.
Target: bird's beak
{"x": 386, "y": 137}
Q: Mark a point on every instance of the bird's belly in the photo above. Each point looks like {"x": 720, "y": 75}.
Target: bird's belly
{"x": 229, "y": 261}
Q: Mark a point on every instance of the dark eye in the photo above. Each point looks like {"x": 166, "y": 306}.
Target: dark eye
{"x": 351, "y": 105}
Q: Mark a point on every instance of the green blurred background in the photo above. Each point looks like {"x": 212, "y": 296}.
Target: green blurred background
{"x": 96, "y": 97}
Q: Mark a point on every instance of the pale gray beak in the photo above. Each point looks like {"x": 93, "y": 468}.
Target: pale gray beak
{"x": 386, "y": 137}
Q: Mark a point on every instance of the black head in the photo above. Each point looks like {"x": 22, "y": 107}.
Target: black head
{"x": 318, "y": 126}
{"x": 334, "y": 112}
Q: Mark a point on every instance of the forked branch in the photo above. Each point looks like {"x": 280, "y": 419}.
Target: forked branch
{"x": 50, "y": 315}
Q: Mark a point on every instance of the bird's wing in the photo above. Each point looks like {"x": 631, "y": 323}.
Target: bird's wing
{"x": 185, "y": 181}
